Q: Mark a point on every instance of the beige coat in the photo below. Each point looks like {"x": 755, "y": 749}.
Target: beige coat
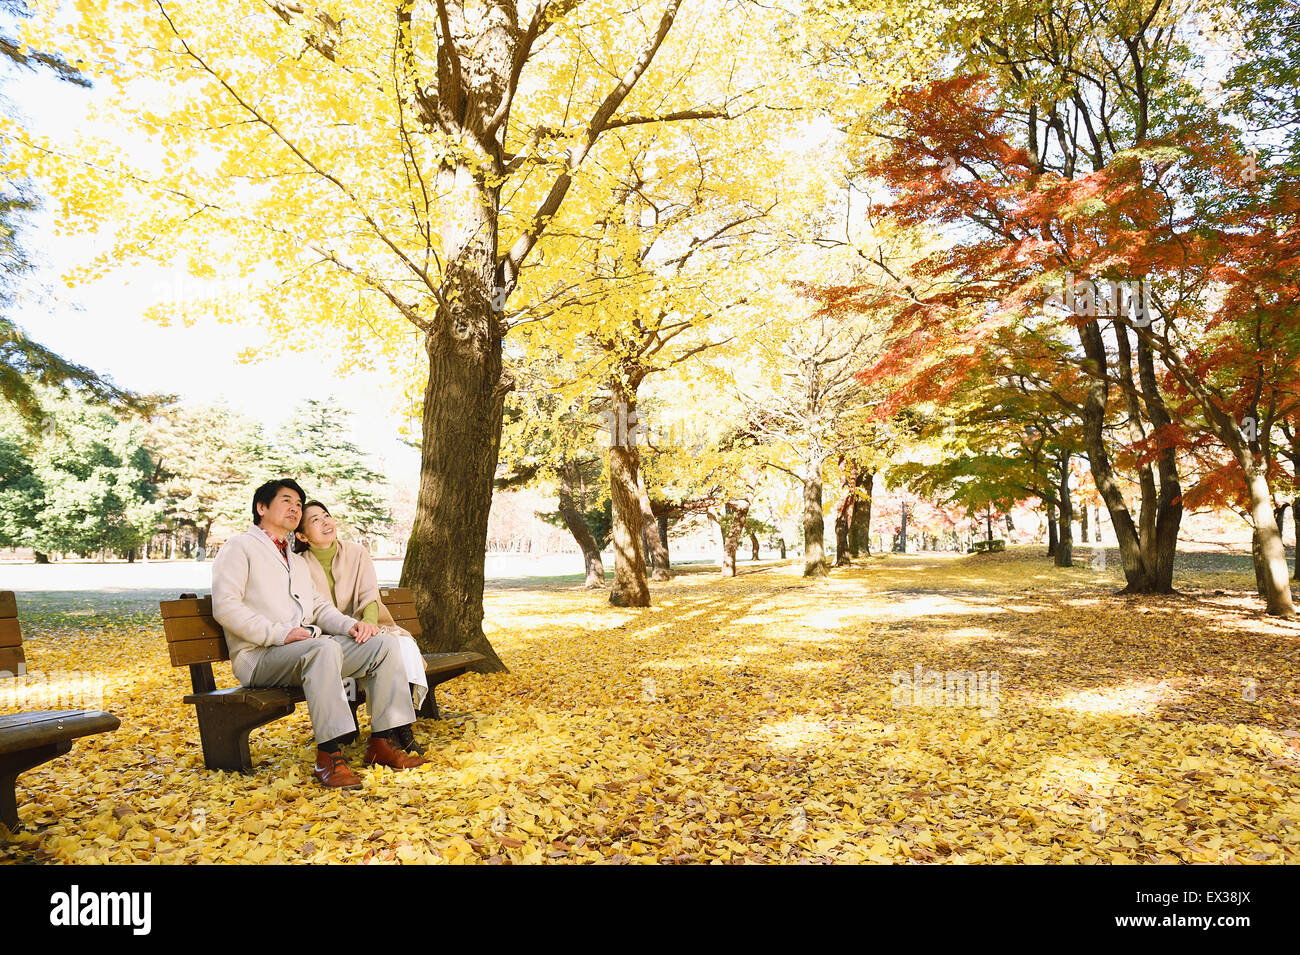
{"x": 258, "y": 598}
{"x": 355, "y": 583}
{"x": 355, "y": 587}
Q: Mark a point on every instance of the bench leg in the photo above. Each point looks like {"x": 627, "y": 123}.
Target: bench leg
{"x": 224, "y": 729}
{"x": 429, "y": 708}
{"x": 11, "y": 764}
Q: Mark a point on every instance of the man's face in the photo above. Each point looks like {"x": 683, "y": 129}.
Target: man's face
{"x": 283, "y": 512}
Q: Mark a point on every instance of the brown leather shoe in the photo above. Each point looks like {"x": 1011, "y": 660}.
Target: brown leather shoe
{"x": 332, "y": 771}
{"x": 382, "y": 752}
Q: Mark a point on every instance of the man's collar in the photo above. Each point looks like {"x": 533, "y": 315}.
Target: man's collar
{"x": 258, "y": 531}
{"x": 275, "y": 540}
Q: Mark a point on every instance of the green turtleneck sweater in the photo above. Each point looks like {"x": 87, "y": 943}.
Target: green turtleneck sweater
{"x": 325, "y": 557}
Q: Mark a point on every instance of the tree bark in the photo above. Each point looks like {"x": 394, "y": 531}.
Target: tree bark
{"x": 814, "y": 522}
{"x": 1083, "y": 524}
{"x": 736, "y": 512}
{"x": 577, "y": 525}
{"x": 781, "y": 541}
{"x": 1267, "y": 548}
{"x": 860, "y": 525}
{"x": 1169, "y": 506}
{"x": 1139, "y": 575}
{"x": 1257, "y": 558}
{"x": 753, "y": 545}
{"x": 1065, "y": 533}
{"x": 662, "y": 521}
{"x": 1295, "y": 523}
{"x": 630, "y": 587}
{"x": 1052, "y": 542}
{"x": 40, "y": 558}
{"x": 461, "y": 439}
{"x": 657, "y": 552}
{"x": 1272, "y": 553}
{"x": 843, "y": 520}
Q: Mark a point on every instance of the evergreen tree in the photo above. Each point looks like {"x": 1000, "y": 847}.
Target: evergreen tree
{"x": 207, "y": 458}
{"x": 315, "y": 447}
{"x": 84, "y": 486}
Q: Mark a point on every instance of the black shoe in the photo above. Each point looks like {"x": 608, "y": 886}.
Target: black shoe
{"x": 404, "y": 737}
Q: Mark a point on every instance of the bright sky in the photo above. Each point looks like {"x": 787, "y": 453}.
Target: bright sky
{"x": 102, "y": 325}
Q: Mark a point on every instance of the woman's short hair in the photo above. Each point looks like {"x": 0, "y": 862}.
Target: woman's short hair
{"x": 300, "y": 546}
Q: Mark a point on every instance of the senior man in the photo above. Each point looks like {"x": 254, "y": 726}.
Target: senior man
{"x": 282, "y": 632}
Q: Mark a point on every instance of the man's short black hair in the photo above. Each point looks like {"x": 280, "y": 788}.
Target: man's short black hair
{"x": 265, "y": 494}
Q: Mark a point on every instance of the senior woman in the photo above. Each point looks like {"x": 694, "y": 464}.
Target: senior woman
{"x": 344, "y": 570}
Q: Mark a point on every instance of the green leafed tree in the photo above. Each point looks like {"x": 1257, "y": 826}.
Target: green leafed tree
{"x": 315, "y": 446}
{"x": 208, "y": 462}
{"x": 84, "y": 486}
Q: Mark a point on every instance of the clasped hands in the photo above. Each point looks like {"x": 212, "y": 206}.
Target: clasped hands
{"x": 360, "y": 632}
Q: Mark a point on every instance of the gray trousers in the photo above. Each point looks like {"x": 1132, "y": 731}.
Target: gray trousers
{"x": 319, "y": 664}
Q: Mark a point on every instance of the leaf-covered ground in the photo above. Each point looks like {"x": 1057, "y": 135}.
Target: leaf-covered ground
{"x": 751, "y": 719}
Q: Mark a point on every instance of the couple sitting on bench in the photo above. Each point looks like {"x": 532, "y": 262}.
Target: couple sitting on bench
{"x": 272, "y": 590}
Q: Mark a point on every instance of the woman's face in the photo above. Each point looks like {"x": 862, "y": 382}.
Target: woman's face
{"x": 317, "y": 527}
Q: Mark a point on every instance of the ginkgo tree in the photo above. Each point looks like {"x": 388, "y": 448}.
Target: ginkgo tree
{"x": 389, "y": 167}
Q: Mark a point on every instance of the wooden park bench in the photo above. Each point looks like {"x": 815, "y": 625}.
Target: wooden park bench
{"x": 29, "y": 739}
{"x": 226, "y": 717}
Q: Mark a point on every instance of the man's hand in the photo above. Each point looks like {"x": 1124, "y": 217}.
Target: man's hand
{"x": 296, "y": 634}
{"x": 363, "y": 631}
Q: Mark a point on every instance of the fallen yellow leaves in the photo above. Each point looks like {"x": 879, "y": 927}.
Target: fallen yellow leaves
{"x": 727, "y": 724}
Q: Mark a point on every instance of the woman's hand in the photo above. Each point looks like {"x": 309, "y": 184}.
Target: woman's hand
{"x": 363, "y": 631}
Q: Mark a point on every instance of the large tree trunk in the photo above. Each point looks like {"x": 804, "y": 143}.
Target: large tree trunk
{"x": 658, "y": 551}
{"x": 736, "y": 512}
{"x": 1169, "y": 506}
{"x": 1295, "y": 523}
{"x": 1271, "y": 561}
{"x": 1268, "y": 550}
{"x": 1052, "y": 542}
{"x": 630, "y": 587}
{"x": 860, "y": 525}
{"x": 461, "y": 440}
{"x": 1257, "y": 558}
{"x": 814, "y": 522}
{"x": 1065, "y": 541}
{"x": 577, "y": 525}
{"x": 843, "y": 520}
{"x": 1139, "y": 574}
{"x": 844, "y": 513}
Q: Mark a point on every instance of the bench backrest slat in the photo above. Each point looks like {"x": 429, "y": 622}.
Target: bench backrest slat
{"x": 193, "y": 636}
{"x": 11, "y": 635}
{"x": 400, "y": 602}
